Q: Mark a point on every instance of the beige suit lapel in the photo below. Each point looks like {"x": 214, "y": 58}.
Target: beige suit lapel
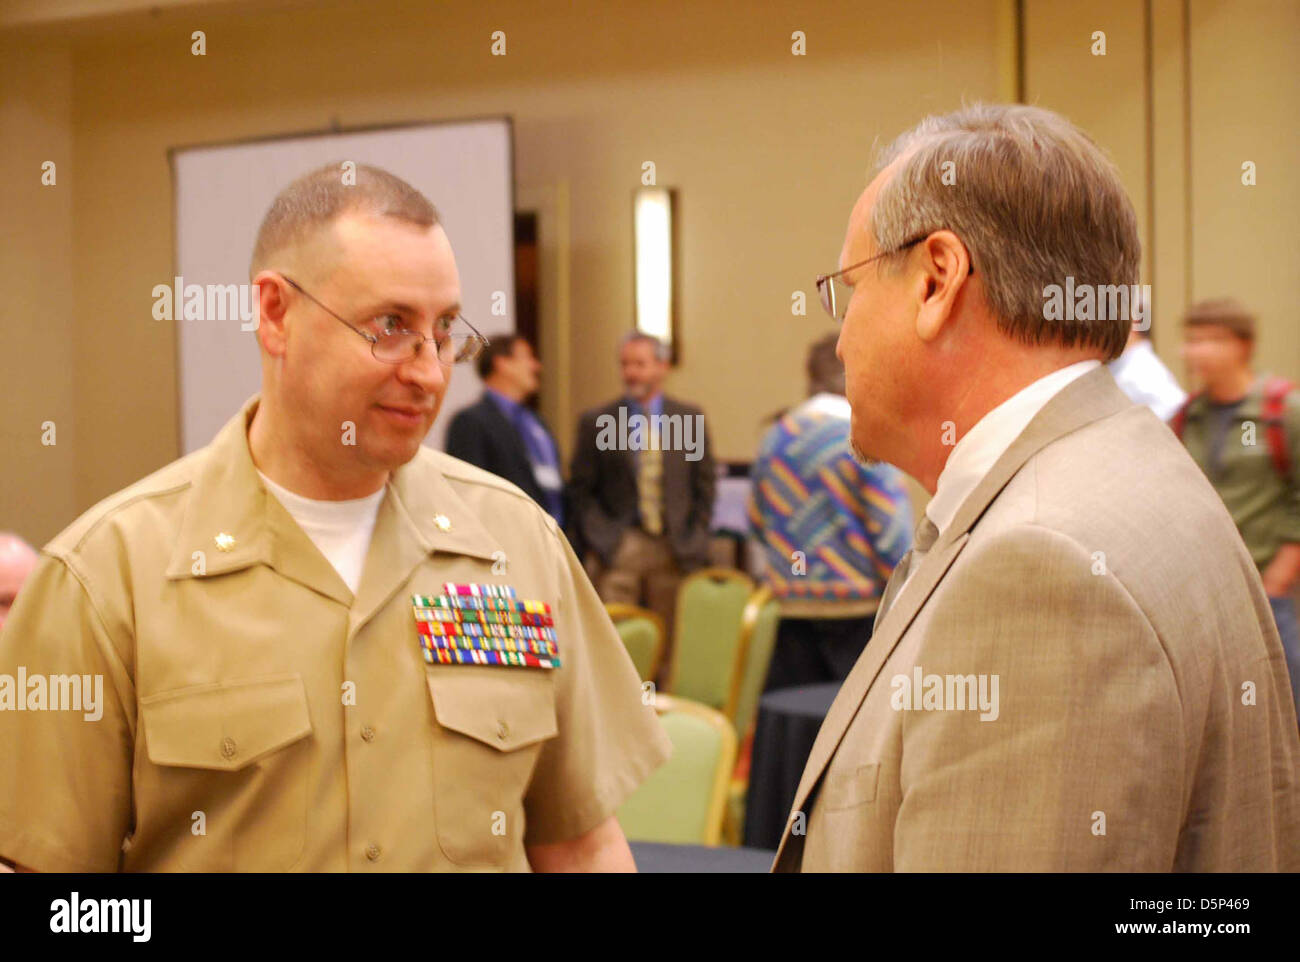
{"x": 1088, "y": 398}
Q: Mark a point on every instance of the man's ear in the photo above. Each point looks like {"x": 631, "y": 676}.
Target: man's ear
{"x": 945, "y": 264}
{"x": 273, "y": 304}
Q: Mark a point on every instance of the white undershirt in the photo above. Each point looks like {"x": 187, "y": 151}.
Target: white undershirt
{"x": 341, "y": 530}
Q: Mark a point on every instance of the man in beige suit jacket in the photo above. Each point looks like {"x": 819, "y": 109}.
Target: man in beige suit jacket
{"x": 1076, "y": 669}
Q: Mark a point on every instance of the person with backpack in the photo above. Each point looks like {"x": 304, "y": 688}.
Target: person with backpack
{"x": 1243, "y": 429}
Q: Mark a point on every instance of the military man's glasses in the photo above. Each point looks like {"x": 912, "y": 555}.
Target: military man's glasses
{"x": 399, "y": 345}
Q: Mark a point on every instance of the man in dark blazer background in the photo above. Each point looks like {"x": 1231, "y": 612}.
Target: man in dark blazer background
{"x": 499, "y": 433}
{"x": 641, "y": 485}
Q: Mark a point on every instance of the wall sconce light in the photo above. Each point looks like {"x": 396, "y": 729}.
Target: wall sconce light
{"x": 656, "y": 288}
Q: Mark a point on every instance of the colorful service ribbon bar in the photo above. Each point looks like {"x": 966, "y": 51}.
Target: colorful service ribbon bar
{"x": 535, "y": 620}
{"x": 478, "y": 591}
{"x": 545, "y": 649}
{"x": 473, "y": 603}
{"x": 440, "y": 629}
{"x": 479, "y": 624}
{"x": 455, "y": 656}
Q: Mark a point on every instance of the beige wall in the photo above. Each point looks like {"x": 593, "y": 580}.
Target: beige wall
{"x": 38, "y": 327}
{"x": 1244, "y": 106}
{"x": 767, "y": 152}
{"x": 1185, "y": 93}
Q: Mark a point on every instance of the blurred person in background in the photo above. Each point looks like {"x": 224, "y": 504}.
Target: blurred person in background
{"x": 832, "y": 529}
{"x": 17, "y": 560}
{"x": 1141, "y": 374}
{"x": 1243, "y": 429}
{"x": 642, "y": 500}
{"x": 501, "y": 434}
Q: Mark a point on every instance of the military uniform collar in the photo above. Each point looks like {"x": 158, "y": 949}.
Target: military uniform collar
{"x": 231, "y": 522}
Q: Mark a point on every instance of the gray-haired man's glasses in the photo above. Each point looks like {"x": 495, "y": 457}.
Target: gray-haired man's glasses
{"x": 835, "y": 303}
{"x": 400, "y": 345}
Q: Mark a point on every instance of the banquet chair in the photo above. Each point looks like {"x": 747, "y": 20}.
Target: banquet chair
{"x": 683, "y": 801}
{"x": 706, "y": 643}
{"x": 758, "y": 631}
{"x": 642, "y": 631}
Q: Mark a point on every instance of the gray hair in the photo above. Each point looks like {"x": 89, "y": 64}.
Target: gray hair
{"x": 660, "y": 348}
{"x": 317, "y": 198}
{"x": 1034, "y": 200}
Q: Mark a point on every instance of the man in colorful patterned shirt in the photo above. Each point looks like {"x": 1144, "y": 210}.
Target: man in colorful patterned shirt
{"x": 832, "y": 530}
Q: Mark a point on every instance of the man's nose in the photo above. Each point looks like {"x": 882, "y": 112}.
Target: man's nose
{"x": 425, "y": 371}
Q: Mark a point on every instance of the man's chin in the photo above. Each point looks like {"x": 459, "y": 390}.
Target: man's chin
{"x": 862, "y": 457}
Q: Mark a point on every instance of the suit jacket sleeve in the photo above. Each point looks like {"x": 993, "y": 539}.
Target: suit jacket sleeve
{"x": 466, "y": 442}
{"x": 595, "y": 529}
{"x": 1082, "y": 767}
{"x": 704, "y": 482}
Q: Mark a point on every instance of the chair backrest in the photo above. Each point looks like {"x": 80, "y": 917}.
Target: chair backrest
{"x": 642, "y": 631}
{"x": 706, "y": 645}
{"x": 758, "y": 630}
{"x": 683, "y": 801}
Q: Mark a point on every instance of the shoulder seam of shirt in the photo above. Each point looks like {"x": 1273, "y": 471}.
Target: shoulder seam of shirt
{"x": 83, "y": 580}
{"x": 108, "y": 512}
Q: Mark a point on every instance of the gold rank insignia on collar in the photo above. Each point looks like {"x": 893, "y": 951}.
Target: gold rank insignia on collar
{"x": 485, "y": 625}
{"x": 442, "y": 522}
{"x": 224, "y": 541}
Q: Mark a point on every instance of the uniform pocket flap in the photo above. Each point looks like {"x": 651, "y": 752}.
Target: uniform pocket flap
{"x": 506, "y": 708}
{"x": 225, "y": 726}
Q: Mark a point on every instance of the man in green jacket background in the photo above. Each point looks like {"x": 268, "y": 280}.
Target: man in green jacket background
{"x": 1243, "y": 429}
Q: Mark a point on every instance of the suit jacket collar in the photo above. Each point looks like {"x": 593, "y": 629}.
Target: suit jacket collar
{"x": 420, "y": 514}
{"x": 1089, "y": 398}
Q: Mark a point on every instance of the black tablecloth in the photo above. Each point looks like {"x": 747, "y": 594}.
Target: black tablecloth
{"x": 658, "y": 857}
{"x": 788, "y": 722}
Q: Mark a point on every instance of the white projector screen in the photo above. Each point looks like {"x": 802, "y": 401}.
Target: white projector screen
{"x": 222, "y": 192}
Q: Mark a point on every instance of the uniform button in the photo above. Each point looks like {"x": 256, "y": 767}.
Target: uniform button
{"x": 503, "y": 730}
{"x": 368, "y": 733}
{"x": 227, "y": 748}
{"x": 372, "y": 852}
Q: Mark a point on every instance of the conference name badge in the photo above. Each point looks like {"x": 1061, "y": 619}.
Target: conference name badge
{"x": 485, "y": 625}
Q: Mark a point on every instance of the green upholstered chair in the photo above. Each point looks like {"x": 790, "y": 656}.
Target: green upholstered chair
{"x": 757, "y": 642}
{"x": 758, "y": 625}
{"x": 683, "y": 800}
{"x": 642, "y": 632}
{"x": 706, "y": 643}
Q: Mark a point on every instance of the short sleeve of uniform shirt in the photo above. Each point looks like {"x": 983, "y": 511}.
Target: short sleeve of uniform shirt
{"x": 609, "y": 739}
{"x": 65, "y": 775}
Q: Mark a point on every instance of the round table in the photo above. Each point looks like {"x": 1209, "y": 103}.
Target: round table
{"x": 787, "y": 726}
{"x": 661, "y": 857}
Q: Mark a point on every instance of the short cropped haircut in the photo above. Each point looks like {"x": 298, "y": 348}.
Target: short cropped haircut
{"x": 1034, "y": 200}
{"x": 1225, "y": 312}
{"x": 317, "y": 198}
{"x": 500, "y": 345}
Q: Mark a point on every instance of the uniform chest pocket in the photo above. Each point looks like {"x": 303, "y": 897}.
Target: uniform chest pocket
{"x": 238, "y": 753}
{"x": 490, "y": 725}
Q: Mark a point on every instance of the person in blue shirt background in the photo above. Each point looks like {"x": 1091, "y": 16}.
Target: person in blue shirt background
{"x": 501, "y": 434}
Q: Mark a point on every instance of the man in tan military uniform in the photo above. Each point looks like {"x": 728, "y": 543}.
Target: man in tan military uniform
{"x": 258, "y": 714}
